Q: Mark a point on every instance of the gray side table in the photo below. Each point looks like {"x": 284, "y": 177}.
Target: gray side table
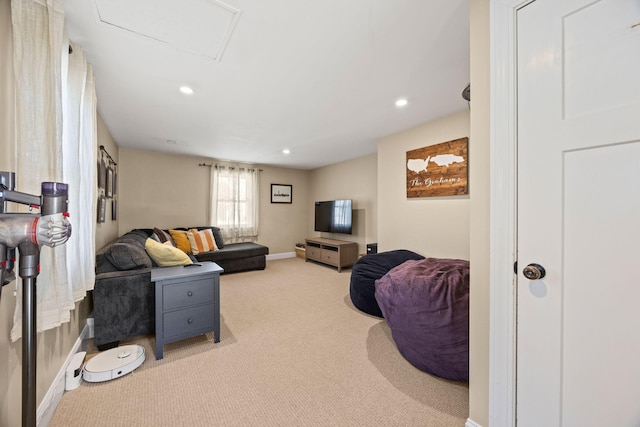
{"x": 187, "y": 302}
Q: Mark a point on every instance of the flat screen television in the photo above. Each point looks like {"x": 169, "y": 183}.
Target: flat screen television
{"x": 333, "y": 216}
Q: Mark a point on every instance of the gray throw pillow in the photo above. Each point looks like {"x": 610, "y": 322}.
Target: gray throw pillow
{"x": 127, "y": 256}
{"x": 217, "y": 235}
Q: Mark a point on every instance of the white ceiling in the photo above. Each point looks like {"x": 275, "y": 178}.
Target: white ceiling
{"x": 317, "y": 77}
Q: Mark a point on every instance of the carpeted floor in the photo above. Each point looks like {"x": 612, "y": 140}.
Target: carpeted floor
{"x": 293, "y": 352}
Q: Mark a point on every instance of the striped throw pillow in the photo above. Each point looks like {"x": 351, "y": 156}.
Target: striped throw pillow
{"x": 201, "y": 241}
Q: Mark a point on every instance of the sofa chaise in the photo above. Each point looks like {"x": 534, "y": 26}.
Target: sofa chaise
{"x": 123, "y": 295}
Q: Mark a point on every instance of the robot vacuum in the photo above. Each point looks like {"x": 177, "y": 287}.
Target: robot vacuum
{"x": 113, "y": 363}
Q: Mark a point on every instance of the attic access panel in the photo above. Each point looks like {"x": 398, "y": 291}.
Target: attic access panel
{"x": 200, "y": 27}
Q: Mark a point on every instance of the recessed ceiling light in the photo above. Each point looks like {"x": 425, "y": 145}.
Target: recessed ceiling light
{"x": 401, "y": 102}
{"x": 286, "y": 151}
{"x": 186, "y": 90}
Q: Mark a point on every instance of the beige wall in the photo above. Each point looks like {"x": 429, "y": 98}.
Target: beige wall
{"x": 437, "y": 226}
{"x": 354, "y": 179}
{"x": 283, "y": 225}
{"x": 161, "y": 190}
{"x": 479, "y": 230}
{"x": 167, "y": 190}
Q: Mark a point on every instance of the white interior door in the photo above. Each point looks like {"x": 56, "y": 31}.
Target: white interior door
{"x": 578, "y": 108}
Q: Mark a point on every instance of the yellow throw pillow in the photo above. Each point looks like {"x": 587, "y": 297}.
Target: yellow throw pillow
{"x": 166, "y": 255}
{"x": 201, "y": 241}
{"x": 181, "y": 240}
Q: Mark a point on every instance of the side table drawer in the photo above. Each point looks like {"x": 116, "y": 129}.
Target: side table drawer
{"x": 184, "y": 294}
{"x": 187, "y": 320}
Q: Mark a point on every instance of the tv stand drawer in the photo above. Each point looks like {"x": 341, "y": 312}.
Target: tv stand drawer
{"x": 314, "y": 253}
{"x": 330, "y": 257}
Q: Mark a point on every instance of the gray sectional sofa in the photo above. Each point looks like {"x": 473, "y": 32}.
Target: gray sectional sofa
{"x": 123, "y": 295}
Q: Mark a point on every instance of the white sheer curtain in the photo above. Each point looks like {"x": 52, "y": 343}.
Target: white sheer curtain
{"x": 235, "y": 202}
{"x": 79, "y": 171}
{"x": 55, "y": 141}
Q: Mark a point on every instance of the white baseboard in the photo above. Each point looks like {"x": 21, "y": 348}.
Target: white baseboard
{"x": 471, "y": 423}
{"x": 281, "y": 256}
{"x": 50, "y": 401}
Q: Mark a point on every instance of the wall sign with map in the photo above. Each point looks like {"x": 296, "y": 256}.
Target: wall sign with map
{"x": 438, "y": 170}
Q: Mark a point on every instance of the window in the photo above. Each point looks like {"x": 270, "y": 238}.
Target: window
{"x": 342, "y": 216}
{"x": 235, "y": 201}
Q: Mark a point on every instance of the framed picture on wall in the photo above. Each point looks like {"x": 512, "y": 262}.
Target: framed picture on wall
{"x": 102, "y": 173}
{"x": 281, "y": 193}
{"x": 438, "y": 170}
{"x": 114, "y": 185}
{"x": 114, "y": 210}
{"x": 102, "y": 208}
{"x": 109, "y": 188}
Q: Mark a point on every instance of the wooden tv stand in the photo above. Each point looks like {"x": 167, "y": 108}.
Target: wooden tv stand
{"x": 337, "y": 253}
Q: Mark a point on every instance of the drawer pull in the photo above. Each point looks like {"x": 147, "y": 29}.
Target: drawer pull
{"x": 190, "y": 321}
{"x": 189, "y": 294}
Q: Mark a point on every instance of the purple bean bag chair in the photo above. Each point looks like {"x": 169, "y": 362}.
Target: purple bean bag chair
{"x": 367, "y": 270}
{"x": 426, "y": 305}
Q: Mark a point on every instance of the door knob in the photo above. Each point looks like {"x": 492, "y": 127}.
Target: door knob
{"x": 534, "y": 272}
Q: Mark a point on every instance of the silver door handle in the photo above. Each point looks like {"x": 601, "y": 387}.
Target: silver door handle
{"x": 534, "y": 272}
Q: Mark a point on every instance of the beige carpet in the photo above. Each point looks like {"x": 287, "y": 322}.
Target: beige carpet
{"x": 293, "y": 352}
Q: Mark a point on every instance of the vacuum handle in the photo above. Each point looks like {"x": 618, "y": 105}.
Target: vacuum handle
{"x": 54, "y": 198}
